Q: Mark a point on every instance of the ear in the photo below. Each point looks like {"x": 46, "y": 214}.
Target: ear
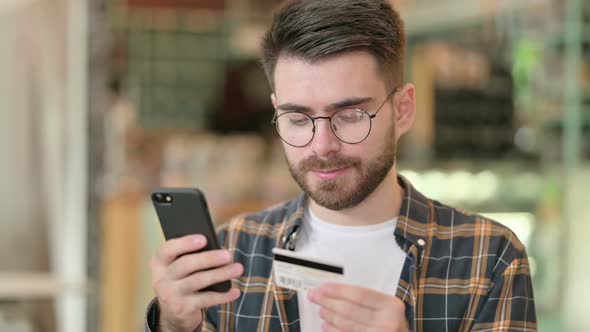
{"x": 405, "y": 110}
{"x": 273, "y": 99}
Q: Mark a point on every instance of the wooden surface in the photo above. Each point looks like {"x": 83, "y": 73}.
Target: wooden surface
{"x": 421, "y": 137}
{"x": 119, "y": 266}
{"x": 27, "y": 285}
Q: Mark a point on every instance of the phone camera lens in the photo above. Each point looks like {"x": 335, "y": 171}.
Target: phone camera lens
{"x": 162, "y": 198}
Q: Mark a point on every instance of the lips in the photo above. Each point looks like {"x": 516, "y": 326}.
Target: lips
{"x": 330, "y": 174}
{"x": 320, "y": 170}
{"x": 327, "y": 168}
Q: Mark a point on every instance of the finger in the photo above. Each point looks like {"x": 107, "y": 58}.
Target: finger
{"x": 326, "y": 327}
{"x": 203, "y": 279}
{"x": 352, "y": 311}
{"x": 209, "y": 299}
{"x": 189, "y": 264}
{"x": 365, "y": 297}
{"x": 337, "y": 322}
{"x": 179, "y": 246}
{"x": 189, "y": 304}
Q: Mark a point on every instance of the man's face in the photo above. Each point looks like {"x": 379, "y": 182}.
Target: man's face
{"x": 337, "y": 175}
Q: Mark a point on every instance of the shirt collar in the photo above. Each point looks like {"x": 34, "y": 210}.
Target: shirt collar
{"x": 415, "y": 214}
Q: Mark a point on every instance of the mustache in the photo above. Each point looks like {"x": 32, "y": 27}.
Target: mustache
{"x": 336, "y": 162}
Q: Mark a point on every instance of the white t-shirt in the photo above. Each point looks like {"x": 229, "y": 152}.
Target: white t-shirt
{"x": 369, "y": 254}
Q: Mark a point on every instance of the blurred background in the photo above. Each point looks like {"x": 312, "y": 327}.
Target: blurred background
{"x": 103, "y": 100}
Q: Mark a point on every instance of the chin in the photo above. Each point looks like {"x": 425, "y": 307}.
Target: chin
{"x": 333, "y": 195}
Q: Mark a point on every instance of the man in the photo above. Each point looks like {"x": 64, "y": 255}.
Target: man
{"x": 336, "y": 72}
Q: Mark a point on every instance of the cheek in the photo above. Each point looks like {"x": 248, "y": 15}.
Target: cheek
{"x": 370, "y": 148}
{"x": 382, "y": 134}
{"x": 291, "y": 154}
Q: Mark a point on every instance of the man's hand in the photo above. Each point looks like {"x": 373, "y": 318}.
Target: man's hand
{"x": 178, "y": 276}
{"x": 352, "y": 308}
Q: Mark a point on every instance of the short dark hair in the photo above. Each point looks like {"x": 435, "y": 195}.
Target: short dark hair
{"x": 317, "y": 29}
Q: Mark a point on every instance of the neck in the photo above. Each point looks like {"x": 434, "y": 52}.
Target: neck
{"x": 381, "y": 205}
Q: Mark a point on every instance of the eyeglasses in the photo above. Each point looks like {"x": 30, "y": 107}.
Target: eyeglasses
{"x": 350, "y": 125}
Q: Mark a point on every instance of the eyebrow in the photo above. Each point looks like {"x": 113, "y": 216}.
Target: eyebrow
{"x": 350, "y": 102}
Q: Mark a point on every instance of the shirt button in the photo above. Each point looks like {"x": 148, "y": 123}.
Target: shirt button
{"x": 421, "y": 242}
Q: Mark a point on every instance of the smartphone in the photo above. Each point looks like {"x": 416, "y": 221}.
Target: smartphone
{"x": 183, "y": 211}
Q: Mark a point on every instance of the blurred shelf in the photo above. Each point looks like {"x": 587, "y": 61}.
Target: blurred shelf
{"x": 424, "y": 17}
{"x": 28, "y": 285}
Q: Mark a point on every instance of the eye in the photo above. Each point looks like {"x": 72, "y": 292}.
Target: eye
{"x": 299, "y": 122}
{"x": 296, "y": 119}
{"x": 349, "y": 116}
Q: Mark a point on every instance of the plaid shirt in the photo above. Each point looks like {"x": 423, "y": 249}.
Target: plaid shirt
{"x": 462, "y": 272}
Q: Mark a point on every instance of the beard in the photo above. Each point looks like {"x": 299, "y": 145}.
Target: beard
{"x": 349, "y": 190}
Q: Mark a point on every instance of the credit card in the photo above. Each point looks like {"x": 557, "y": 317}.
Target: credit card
{"x": 301, "y": 273}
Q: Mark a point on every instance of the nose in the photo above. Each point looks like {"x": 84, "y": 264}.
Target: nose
{"x": 324, "y": 141}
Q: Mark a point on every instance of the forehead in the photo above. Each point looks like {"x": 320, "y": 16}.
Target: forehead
{"x": 352, "y": 74}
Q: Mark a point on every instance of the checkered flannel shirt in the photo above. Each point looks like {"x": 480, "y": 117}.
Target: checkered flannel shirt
{"x": 462, "y": 272}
